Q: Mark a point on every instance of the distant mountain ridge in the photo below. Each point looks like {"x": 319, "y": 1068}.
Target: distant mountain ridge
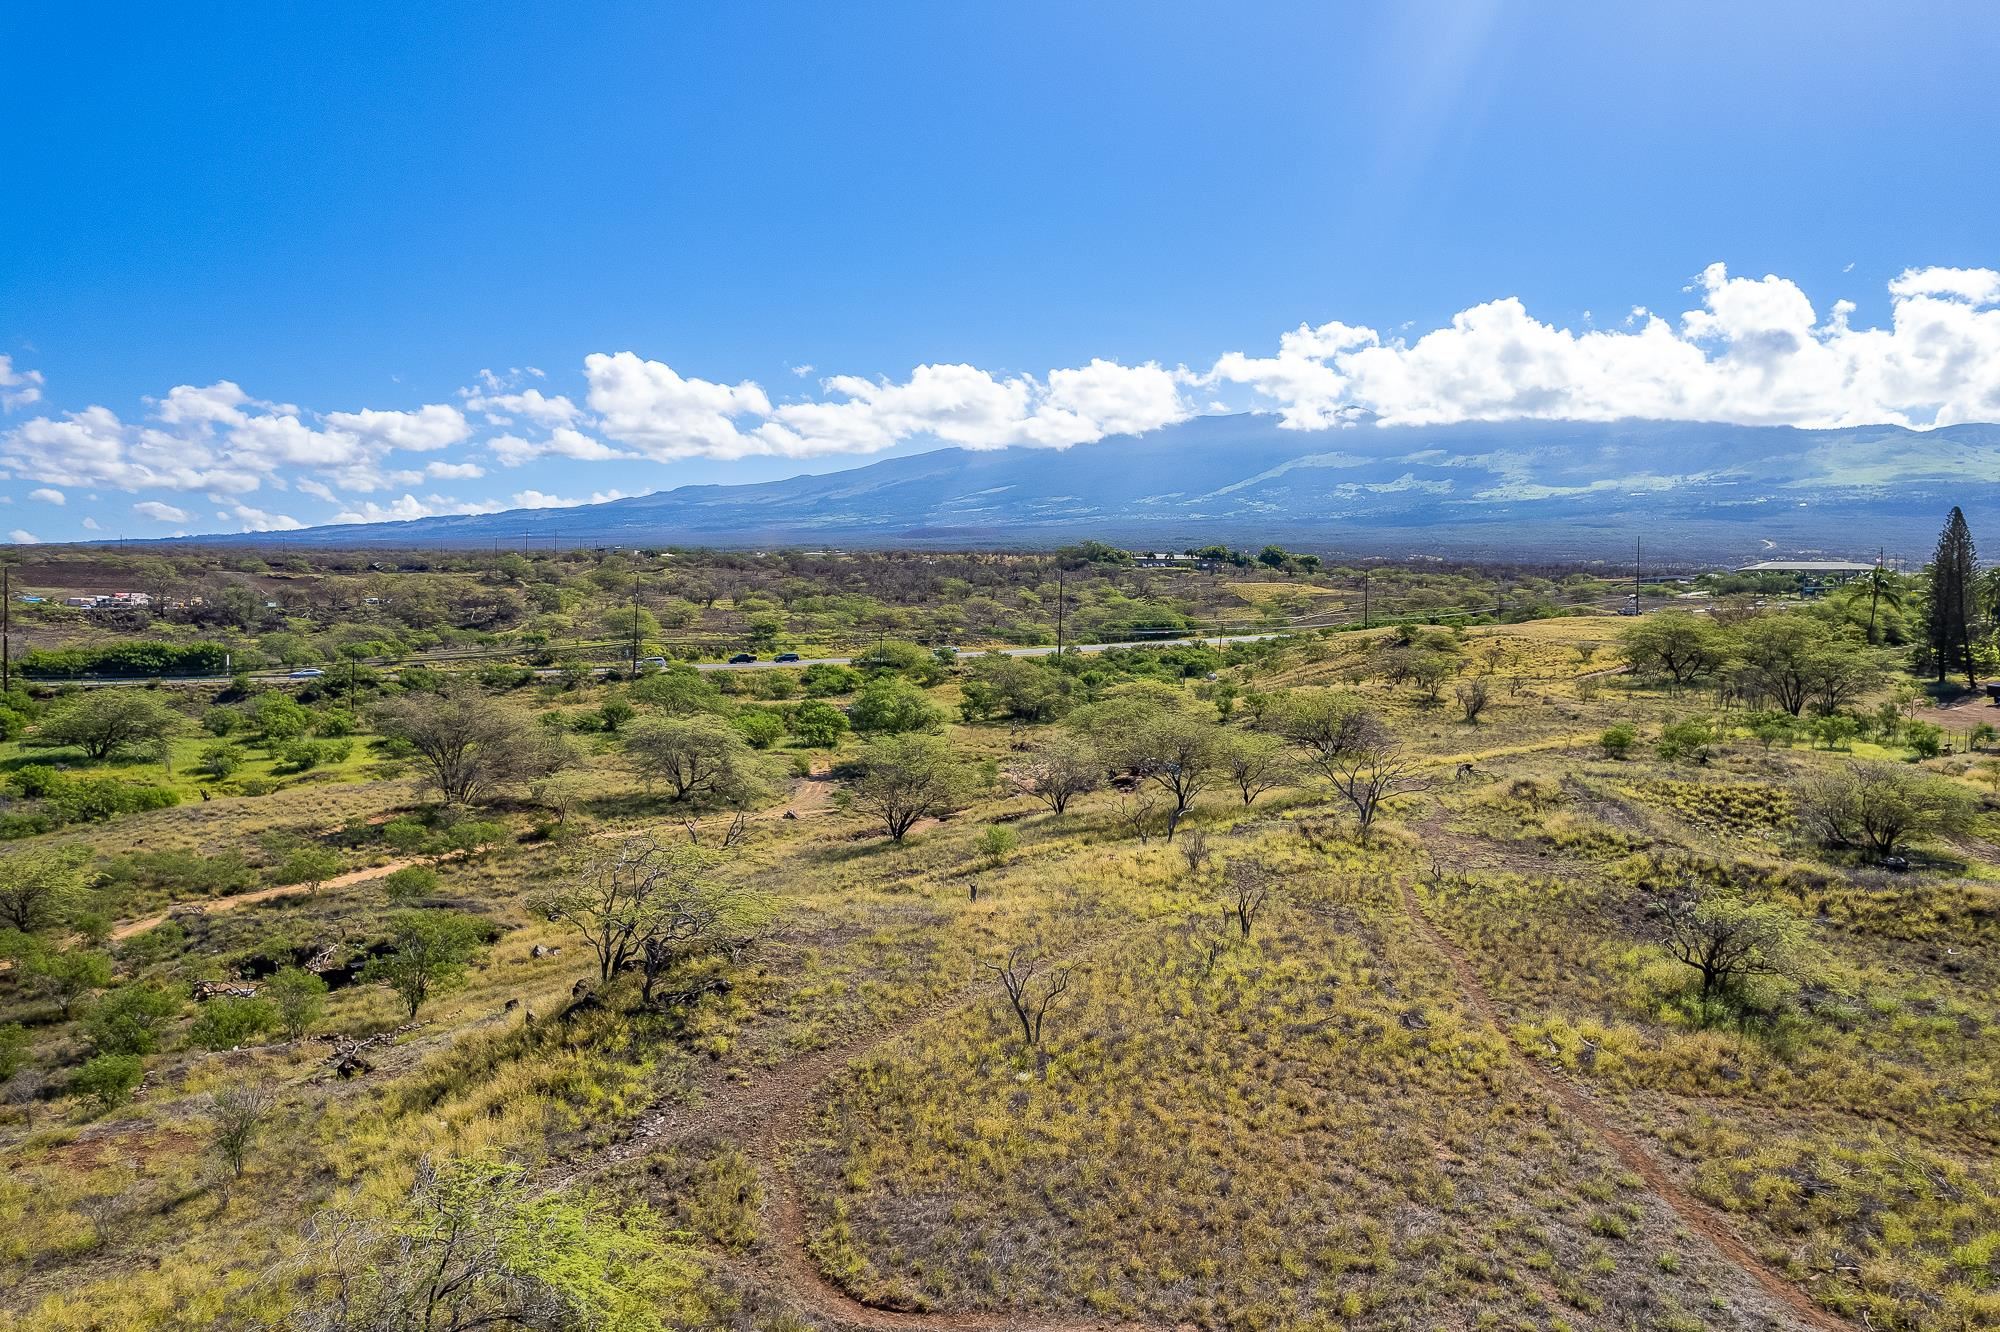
{"x": 1556, "y": 489}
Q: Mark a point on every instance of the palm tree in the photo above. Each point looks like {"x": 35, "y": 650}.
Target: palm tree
{"x": 1881, "y": 586}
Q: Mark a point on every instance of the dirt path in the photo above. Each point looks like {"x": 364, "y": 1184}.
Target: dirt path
{"x": 1691, "y": 1211}
{"x": 209, "y": 906}
{"x": 769, "y": 1114}
{"x": 809, "y": 795}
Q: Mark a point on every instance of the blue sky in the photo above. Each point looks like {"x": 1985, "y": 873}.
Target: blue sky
{"x": 348, "y": 212}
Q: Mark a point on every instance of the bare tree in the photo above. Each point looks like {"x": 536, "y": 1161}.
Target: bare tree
{"x": 638, "y": 894}
{"x": 1352, "y": 749}
{"x": 1031, "y": 1002}
{"x": 1195, "y": 851}
{"x": 236, "y": 1115}
{"x": 1249, "y": 890}
{"x": 1472, "y": 699}
{"x": 1058, "y": 770}
{"x": 1139, "y": 811}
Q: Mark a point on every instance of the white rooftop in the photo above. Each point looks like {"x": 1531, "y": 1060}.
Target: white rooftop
{"x": 1805, "y": 566}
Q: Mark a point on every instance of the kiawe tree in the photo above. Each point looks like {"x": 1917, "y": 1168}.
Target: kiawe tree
{"x": 471, "y": 746}
{"x": 905, "y": 778}
{"x": 1954, "y": 576}
{"x": 1352, "y": 748}
{"x": 640, "y": 903}
{"x": 104, "y": 721}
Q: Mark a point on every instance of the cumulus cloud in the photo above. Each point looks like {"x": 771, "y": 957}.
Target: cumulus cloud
{"x": 160, "y": 513}
{"x": 258, "y": 520}
{"x": 18, "y": 388}
{"x": 1754, "y": 350}
{"x": 218, "y": 438}
{"x": 48, "y": 496}
{"x": 22, "y": 537}
{"x": 535, "y": 499}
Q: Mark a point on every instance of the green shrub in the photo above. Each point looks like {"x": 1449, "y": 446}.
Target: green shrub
{"x": 893, "y": 706}
{"x": 110, "y": 1078}
{"x": 818, "y": 725}
{"x": 221, "y": 761}
{"x": 760, "y": 726}
{"x": 410, "y": 883}
{"x": 1617, "y": 741}
{"x": 1925, "y": 739}
{"x": 997, "y": 842}
{"x": 14, "y": 1046}
{"x": 128, "y": 1020}
{"x": 226, "y": 1022}
{"x": 299, "y": 998}
{"x": 1688, "y": 740}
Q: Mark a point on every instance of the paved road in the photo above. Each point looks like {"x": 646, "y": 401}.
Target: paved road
{"x": 1045, "y": 651}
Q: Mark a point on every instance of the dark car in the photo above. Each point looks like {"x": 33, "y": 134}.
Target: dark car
{"x": 786, "y": 656}
{"x": 743, "y": 659}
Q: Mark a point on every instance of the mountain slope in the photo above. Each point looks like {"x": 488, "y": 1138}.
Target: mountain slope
{"x": 1558, "y": 488}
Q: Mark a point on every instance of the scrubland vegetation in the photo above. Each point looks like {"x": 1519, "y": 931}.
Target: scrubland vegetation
{"x": 1584, "y": 971}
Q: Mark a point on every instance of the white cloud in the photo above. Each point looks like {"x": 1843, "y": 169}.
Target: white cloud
{"x": 367, "y": 511}
{"x": 501, "y": 408}
{"x": 90, "y": 525}
{"x": 22, "y": 537}
{"x": 1753, "y": 350}
{"x": 18, "y": 388}
{"x": 535, "y": 499}
{"x": 434, "y": 427}
{"x": 259, "y": 520}
{"x": 562, "y": 442}
{"x": 1756, "y": 352}
{"x": 48, "y": 496}
{"x": 648, "y": 405}
{"x": 160, "y": 513}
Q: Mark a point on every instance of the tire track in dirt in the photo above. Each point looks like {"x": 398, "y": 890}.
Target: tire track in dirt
{"x": 1691, "y": 1211}
{"x": 768, "y": 1115}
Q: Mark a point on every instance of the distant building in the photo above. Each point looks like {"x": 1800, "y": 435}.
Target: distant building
{"x": 1840, "y": 570}
{"x": 1165, "y": 559}
{"x": 1815, "y": 576}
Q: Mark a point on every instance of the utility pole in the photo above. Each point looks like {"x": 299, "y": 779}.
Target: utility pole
{"x": 1059, "y": 611}
{"x": 6, "y": 629}
{"x": 1636, "y": 606}
{"x": 1364, "y": 599}
{"x": 635, "y": 620}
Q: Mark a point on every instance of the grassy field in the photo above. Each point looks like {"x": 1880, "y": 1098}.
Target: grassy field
{"x": 1449, "y": 1078}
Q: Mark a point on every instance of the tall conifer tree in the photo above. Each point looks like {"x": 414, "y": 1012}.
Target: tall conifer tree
{"x": 1954, "y": 573}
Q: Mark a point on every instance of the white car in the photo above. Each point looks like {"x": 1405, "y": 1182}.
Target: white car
{"x": 308, "y": 673}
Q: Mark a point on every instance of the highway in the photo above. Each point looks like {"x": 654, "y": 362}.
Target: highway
{"x": 1047, "y": 650}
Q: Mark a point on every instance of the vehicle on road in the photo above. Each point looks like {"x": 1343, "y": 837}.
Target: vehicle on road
{"x": 786, "y": 656}
{"x": 307, "y": 673}
{"x": 651, "y": 663}
{"x": 743, "y": 659}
